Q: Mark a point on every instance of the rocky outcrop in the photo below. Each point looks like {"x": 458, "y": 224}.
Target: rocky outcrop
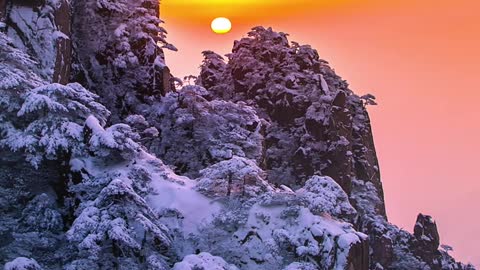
{"x": 427, "y": 240}
{"x": 63, "y": 59}
{"x": 3, "y": 11}
{"x": 42, "y": 29}
{"x": 425, "y": 231}
{"x": 31, "y": 26}
{"x": 316, "y": 124}
{"x": 358, "y": 258}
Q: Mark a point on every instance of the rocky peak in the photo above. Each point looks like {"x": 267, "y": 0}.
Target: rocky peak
{"x": 317, "y": 125}
{"x": 425, "y": 231}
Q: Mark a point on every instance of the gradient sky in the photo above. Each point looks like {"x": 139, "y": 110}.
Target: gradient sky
{"x": 420, "y": 58}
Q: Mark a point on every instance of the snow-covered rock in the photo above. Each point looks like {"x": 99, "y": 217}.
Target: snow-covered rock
{"x": 316, "y": 124}
{"x": 234, "y": 177}
{"x": 22, "y": 263}
{"x": 203, "y": 261}
{"x": 324, "y": 196}
{"x": 274, "y": 230}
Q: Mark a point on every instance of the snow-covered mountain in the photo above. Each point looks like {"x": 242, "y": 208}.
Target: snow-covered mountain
{"x": 268, "y": 162}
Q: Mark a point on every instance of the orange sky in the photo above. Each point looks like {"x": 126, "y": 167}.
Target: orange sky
{"x": 420, "y": 58}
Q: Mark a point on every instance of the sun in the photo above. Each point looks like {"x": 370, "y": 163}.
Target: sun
{"x": 221, "y": 25}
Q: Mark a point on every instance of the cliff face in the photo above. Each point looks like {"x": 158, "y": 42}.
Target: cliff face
{"x": 268, "y": 163}
{"x": 316, "y": 124}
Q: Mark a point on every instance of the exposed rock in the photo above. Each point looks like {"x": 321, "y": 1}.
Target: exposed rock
{"x": 31, "y": 26}
{"x": 425, "y": 231}
{"x": 358, "y": 258}
{"x": 317, "y": 125}
{"x": 427, "y": 241}
{"x": 3, "y": 11}
{"x": 63, "y": 60}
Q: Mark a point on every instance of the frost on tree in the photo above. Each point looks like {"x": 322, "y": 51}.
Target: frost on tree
{"x": 276, "y": 155}
{"x": 120, "y": 52}
{"x": 234, "y": 177}
{"x": 114, "y": 226}
{"x": 317, "y": 125}
{"x": 52, "y": 121}
{"x": 196, "y": 132}
{"x": 22, "y": 263}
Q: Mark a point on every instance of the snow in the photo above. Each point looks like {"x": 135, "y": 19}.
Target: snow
{"x": 324, "y": 84}
{"x": 324, "y": 195}
{"x": 301, "y": 266}
{"x": 94, "y": 125}
{"x": 175, "y": 192}
{"x": 22, "y": 263}
{"x": 37, "y": 27}
{"x": 253, "y": 124}
{"x": 60, "y": 35}
{"x": 203, "y": 261}
{"x": 320, "y": 228}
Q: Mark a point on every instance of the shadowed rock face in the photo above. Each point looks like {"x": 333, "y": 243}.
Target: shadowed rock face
{"x": 43, "y": 30}
{"x": 317, "y": 124}
{"x": 358, "y": 258}
{"x": 63, "y": 60}
{"x": 425, "y": 230}
{"x": 427, "y": 240}
{"x": 3, "y": 10}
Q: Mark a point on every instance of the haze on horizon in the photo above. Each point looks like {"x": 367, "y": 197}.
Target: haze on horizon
{"x": 418, "y": 58}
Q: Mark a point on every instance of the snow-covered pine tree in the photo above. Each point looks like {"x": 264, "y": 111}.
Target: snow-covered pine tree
{"x": 196, "y": 133}
{"x": 49, "y": 122}
{"x": 119, "y": 53}
{"x": 59, "y": 130}
{"x": 114, "y": 228}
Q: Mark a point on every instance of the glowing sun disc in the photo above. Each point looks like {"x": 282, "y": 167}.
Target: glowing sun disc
{"x": 221, "y": 25}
